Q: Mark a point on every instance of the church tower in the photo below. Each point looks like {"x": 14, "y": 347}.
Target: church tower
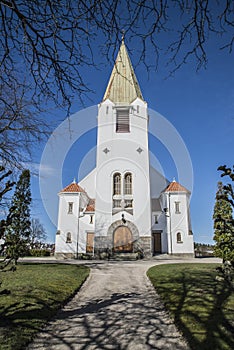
{"x": 123, "y": 205}
{"x": 122, "y": 212}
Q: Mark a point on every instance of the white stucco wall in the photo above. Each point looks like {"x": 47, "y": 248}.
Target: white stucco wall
{"x": 158, "y": 183}
{"x": 160, "y": 226}
{"x": 85, "y": 227}
{"x": 68, "y": 222}
{"x": 88, "y": 183}
{"x": 122, "y": 156}
{"x": 179, "y": 222}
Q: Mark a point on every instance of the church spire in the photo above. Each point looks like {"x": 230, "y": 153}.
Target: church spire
{"x": 123, "y": 86}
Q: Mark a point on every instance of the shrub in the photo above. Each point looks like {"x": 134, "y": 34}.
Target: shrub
{"x": 39, "y": 252}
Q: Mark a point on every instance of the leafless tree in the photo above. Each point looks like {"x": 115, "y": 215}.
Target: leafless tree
{"x": 50, "y": 42}
{"x": 38, "y": 234}
{"x": 21, "y": 125}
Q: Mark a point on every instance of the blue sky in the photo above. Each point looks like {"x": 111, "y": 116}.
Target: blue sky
{"x": 200, "y": 106}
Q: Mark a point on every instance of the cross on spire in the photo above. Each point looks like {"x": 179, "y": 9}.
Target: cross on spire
{"x": 123, "y": 35}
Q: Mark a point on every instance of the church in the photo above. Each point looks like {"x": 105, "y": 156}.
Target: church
{"x": 123, "y": 206}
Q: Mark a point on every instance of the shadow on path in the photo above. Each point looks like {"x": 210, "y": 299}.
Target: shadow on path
{"x": 123, "y": 321}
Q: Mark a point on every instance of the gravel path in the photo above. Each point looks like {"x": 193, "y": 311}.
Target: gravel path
{"x": 116, "y": 308}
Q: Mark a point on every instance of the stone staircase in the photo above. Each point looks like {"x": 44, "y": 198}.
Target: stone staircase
{"x": 124, "y": 257}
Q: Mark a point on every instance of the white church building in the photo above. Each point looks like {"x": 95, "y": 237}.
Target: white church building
{"x": 123, "y": 205}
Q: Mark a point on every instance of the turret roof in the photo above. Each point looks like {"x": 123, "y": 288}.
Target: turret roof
{"x": 73, "y": 187}
{"x": 123, "y": 86}
{"x": 175, "y": 187}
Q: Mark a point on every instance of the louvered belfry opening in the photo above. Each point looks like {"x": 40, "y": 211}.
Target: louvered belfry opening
{"x": 122, "y": 120}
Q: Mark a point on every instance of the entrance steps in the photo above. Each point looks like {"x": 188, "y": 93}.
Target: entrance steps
{"x": 124, "y": 256}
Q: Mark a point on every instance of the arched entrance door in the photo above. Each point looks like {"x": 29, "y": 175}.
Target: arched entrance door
{"x": 122, "y": 240}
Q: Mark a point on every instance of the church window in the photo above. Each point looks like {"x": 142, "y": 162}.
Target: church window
{"x": 122, "y": 120}
{"x": 138, "y": 108}
{"x": 69, "y": 239}
{"x": 128, "y": 203}
{"x": 177, "y": 207}
{"x": 116, "y": 203}
{"x": 70, "y": 208}
{"x": 179, "y": 237}
{"x": 91, "y": 219}
{"x": 156, "y": 219}
{"x": 107, "y": 109}
{"x": 128, "y": 183}
{"x": 117, "y": 184}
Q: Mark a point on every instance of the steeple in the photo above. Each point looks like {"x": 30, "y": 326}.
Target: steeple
{"x": 123, "y": 86}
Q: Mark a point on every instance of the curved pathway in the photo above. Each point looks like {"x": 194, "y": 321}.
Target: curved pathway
{"x": 116, "y": 308}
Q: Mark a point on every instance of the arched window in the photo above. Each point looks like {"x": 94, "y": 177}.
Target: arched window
{"x": 179, "y": 237}
{"x": 128, "y": 183}
{"x": 69, "y": 239}
{"x": 116, "y": 184}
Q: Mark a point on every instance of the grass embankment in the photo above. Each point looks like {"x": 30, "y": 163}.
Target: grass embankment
{"x": 202, "y": 307}
{"x": 36, "y": 292}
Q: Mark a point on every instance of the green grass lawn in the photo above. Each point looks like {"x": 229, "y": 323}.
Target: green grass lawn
{"x": 202, "y": 307}
{"x": 36, "y": 292}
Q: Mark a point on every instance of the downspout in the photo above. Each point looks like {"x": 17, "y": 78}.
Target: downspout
{"x": 78, "y": 228}
{"x": 169, "y": 208}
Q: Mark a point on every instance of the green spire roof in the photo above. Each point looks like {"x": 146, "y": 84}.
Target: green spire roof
{"x": 123, "y": 86}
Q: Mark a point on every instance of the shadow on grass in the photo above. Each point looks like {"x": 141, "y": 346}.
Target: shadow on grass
{"x": 203, "y": 306}
{"x": 20, "y": 321}
{"x": 31, "y": 303}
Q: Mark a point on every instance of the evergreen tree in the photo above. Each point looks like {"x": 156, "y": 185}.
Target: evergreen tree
{"x": 223, "y": 226}
{"x": 5, "y": 186}
{"x": 18, "y": 224}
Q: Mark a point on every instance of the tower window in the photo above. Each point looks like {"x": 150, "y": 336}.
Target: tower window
{"x": 117, "y": 203}
{"x": 91, "y": 219}
{"x": 69, "y": 239}
{"x": 70, "y": 208}
{"x": 177, "y": 207}
{"x": 117, "y": 184}
{"x": 128, "y": 183}
{"x": 122, "y": 120}
{"x": 179, "y": 237}
{"x": 128, "y": 203}
{"x": 156, "y": 219}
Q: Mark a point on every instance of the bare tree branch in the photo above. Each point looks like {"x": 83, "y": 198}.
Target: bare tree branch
{"x": 20, "y": 125}
{"x": 52, "y": 42}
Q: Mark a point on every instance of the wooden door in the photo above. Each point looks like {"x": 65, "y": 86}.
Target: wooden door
{"x": 123, "y": 240}
{"x": 89, "y": 242}
{"x": 157, "y": 244}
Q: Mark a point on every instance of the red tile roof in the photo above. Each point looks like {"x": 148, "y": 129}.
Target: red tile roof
{"x": 73, "y": 187}
{"x": 90, "y": 206}
{"x": 175, "y": 187}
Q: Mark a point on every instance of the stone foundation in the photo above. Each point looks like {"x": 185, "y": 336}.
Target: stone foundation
{"x": 65, "y": 256}
{"x": 146, "y": 245}
{"x": 103, "y": 246}
{"x": 182, "y": 255}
